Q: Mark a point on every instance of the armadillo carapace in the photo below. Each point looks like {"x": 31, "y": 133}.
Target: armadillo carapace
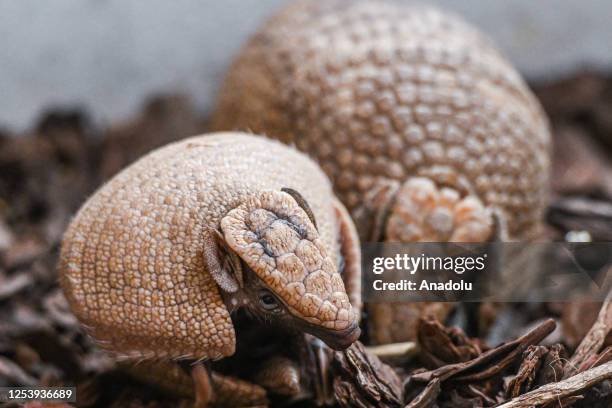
{"x": 423, "y": 127}
{"x": 157, "y": 262}
{"x": 426, "y": 131}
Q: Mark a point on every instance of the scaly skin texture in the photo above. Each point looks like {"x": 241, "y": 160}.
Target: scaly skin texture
{"x": 382, "y": 92}
{"x": 426, "y": 131}
{"x": 291, "y": 260}
{"x": 133, "y": 264}
{"x": 171, "y": 378}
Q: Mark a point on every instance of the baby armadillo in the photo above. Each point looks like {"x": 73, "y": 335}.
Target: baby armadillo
{"x": 426, "y": 131}
{"x": 156, "y": 263}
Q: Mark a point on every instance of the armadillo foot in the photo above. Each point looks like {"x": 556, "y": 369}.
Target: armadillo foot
{"x": 281, "y": 376}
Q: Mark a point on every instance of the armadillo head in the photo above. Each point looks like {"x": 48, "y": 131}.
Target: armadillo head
{"x": 284, "y": 272}
{"x": 425, "y": 212}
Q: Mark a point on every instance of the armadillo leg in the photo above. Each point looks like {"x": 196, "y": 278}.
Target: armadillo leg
{"x": 202, "y": 386}
{"x": 218, "y": 390}
{"x": 321, "y": 356}
{"x": 196, "y": 382}
{"x": 234, "y": 392}
{"x": 281, "y": 376}
{"x": 351, "y": 252}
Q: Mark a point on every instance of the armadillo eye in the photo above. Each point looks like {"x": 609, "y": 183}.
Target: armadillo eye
{"x": 268, "y": 301}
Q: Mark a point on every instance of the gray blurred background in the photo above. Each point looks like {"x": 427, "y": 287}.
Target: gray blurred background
{"x": 107, "y": 56}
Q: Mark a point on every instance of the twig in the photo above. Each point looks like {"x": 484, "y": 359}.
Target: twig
{"x": 427, "y": 397}
{"x": 14, "y": 374}
{"x": 554, "y": 391}
{"x": 15, "y": 284}
{"x": 394, "y": 351}
{"x": 594, "y": 339}
{"x": 582, "y": 213}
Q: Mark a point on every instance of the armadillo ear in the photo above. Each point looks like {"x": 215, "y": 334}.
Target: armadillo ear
{"x": 350, "y": 251}
{"x": 221, "y": 262}
{"x": 500, "y": 226}
{"x": 301, "y": 201}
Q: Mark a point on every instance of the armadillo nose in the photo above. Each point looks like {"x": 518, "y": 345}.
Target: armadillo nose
{"x": 342, "y": 339}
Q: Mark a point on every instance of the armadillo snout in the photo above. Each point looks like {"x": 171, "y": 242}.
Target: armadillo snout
{"x": 342, "y": 339}
{"x": 334, "y": 338}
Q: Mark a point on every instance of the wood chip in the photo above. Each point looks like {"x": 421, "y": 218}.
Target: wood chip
{"x": 583, "y": 214}
{"x": 15, "y": 284}
{"x": 594, "y": 340}
{"x": 534, "y": 356}
{"x": 362, "y": 380}
{"x": 560, "y": 390}
{"x": 490, "y": 362}
{"x": 14, "y": 374}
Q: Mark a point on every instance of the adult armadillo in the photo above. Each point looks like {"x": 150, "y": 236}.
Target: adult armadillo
{"x": 159, "y": 260}
{"x": 425, "y": 130}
